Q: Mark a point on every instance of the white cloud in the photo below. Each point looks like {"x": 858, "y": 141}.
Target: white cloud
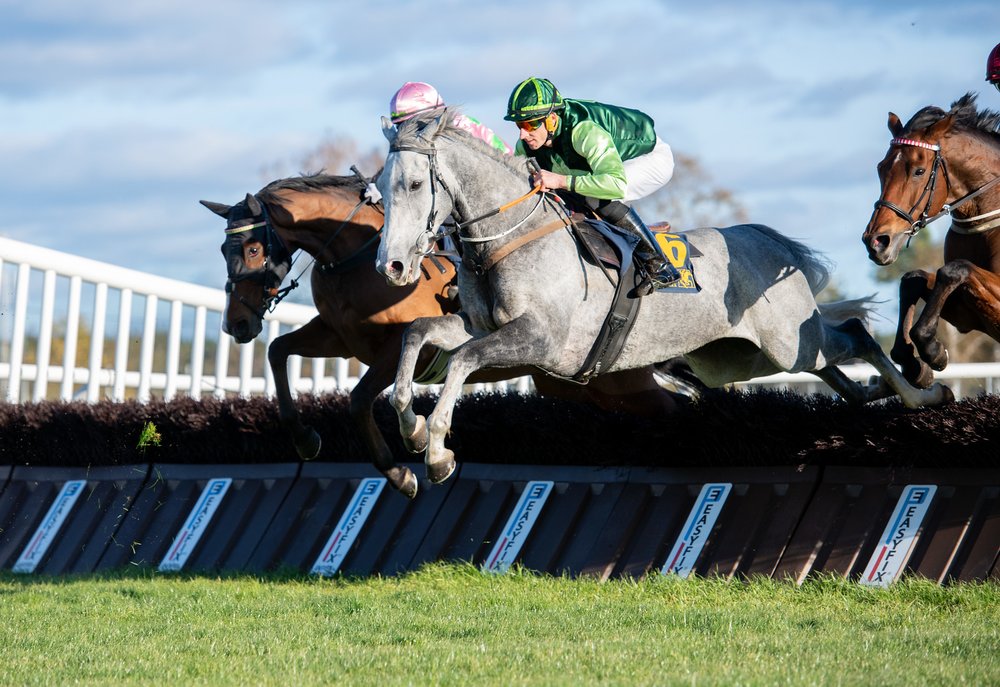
{"x": 120, "y": 116}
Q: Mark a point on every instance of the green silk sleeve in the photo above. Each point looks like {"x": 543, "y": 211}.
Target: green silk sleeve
{"x": 607, "y": 178}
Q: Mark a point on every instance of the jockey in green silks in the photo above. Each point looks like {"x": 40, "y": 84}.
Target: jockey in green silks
{"x": 606, "y": 153}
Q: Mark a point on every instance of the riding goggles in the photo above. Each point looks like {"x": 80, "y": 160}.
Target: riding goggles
{"x": 531, "y": 124}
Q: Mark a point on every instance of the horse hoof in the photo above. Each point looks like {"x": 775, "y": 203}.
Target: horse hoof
{"x": 417, "y": 441}
{"x": 404, "y": 481}
{"x": 441, "y": 470}
{"x": 309, "y": 445}
{"x": 939, "y": 361}
{"x": 947, "y": 396}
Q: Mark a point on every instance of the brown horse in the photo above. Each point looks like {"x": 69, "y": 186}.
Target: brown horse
{"x": 360, "y": 315}
{"x": 941, "y": 163}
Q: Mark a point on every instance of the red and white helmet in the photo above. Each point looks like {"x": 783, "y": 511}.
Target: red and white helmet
{"x": 414, "y": 97}
{"x": 993, "y": 67}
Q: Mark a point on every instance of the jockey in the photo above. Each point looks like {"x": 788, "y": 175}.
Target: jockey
{"x": 993, "y": 67}
{"x": 415, "y": 97}
{"x": 605, "y": 153}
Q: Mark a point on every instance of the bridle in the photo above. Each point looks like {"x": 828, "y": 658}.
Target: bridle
{"x": 959, "y": 225}
{"x": 273, "y": 295}
{"x": 425, "y": 242}
{"x": 268, "y": 276}
{"x": 432, "y": 232}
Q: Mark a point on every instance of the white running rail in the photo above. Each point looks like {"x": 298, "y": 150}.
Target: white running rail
{"x": 52, "y": 304}
{"x": 56, "y": 340}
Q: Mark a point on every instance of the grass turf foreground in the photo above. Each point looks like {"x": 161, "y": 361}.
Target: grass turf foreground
{"x": 453, "y": 625}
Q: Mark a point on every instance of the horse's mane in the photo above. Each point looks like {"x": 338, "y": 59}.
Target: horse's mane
{"x": 410, "y": 134}
{"x": 965, "y": 113}
{"x": 309, "y": 183}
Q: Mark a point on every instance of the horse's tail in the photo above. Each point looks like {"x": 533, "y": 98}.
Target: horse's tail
{"x": 814, "y": 266}
{"x": 841, "y": 311}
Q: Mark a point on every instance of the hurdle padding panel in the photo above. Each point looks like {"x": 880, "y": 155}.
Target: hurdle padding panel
{"x": 62, "y": 520}
{"x": 200, "y": 517}
{"x": 324, "y": 505}
{"x": 562, "y": 537}
{"x": 860, "y": 513}
{"x": 668, "y": 520}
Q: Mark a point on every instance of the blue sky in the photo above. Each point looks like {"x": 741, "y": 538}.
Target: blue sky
{"x": 118, "y": 117}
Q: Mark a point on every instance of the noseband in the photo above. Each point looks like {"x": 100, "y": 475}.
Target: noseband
{"x": 959, "y": 225}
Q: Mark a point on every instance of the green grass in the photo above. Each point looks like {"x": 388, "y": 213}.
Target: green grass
{"x": 451, "y": 624}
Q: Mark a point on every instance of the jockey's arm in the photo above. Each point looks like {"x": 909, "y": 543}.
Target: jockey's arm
{"x": 606, "y": 180}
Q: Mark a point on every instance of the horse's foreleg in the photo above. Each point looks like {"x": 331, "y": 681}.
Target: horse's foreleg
{"x": 854, "y": 341}
{"x": 446, "y": 332}
{"x": 368, "y": 388}
{"x": 913, "y": 287}
{"x": 313, "y": 340}
{"x": 514, "y": 344}
{"x": 949, "y": 277}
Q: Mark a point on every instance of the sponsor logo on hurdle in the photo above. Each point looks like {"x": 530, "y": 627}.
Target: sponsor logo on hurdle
{"x": 49, "y": 527}
{"x": 353, "y": 519}
{"x": 684, "y": 554}
{"x": 196, "y": 524}
{"x": 901, "y": 531}
{"x": 518, "y": 526}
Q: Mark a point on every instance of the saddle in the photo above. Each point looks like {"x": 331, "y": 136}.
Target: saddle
{"x": 611, "y": 248}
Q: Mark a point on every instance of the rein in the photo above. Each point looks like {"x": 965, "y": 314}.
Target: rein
{"x": 431, "y": 232}
{"x": 959, "y": 225}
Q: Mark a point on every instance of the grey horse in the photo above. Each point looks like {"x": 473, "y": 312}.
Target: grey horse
{"x": 529, "y": 298}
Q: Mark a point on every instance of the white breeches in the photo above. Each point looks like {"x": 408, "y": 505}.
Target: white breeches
{"x": 648, "y": 173}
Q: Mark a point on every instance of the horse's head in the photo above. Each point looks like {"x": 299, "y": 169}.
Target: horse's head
{"x": 256, "y": 263}
{"x": 914, "y": 182}
{"x": 416, "y": 197}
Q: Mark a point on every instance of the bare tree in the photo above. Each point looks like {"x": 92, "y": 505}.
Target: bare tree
{"x": 691, "y": 199}
{"x": 332, "y": 155}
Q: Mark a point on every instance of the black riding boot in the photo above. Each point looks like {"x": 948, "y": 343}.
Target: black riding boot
{"x": 659, "y": 271}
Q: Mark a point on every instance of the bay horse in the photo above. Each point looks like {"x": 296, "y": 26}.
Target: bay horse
{"x": 529, "y": 298}
{"x": 360, "y": 315}
{"x": 941, "y": 163}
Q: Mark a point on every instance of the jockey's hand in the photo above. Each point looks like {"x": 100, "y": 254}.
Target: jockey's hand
{"x": 549, "y": 181}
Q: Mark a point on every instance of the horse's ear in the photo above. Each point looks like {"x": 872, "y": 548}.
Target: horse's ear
{"x": 436, "y": 124}
{"x": 221, "y": 209}
{"x": 895, "y": 126}
{"x": 253, "y": 204}
{"x": 936, "y": 131}
{"x": 388, "y": 130}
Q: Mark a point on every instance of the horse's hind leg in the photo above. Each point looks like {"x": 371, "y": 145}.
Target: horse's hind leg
{"x": 313, "y": 340}
{"x": 446, "y": 332}
{"x": 913, "y": 287}
{"x": 854, "y": 341}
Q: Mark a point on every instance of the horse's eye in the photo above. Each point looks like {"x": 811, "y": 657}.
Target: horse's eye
{"x": 252, "y": 252}
{"x": 918, "y": 172}
{"x": 415, "y": 185}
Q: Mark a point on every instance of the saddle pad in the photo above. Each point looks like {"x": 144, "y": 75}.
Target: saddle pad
{"x": 679, "y": 252}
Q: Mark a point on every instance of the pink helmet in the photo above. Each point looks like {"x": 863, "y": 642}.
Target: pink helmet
{"x": 414, "y": 97}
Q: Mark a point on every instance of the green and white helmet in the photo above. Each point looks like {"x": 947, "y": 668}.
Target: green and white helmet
{"x": 533, "y": 98}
